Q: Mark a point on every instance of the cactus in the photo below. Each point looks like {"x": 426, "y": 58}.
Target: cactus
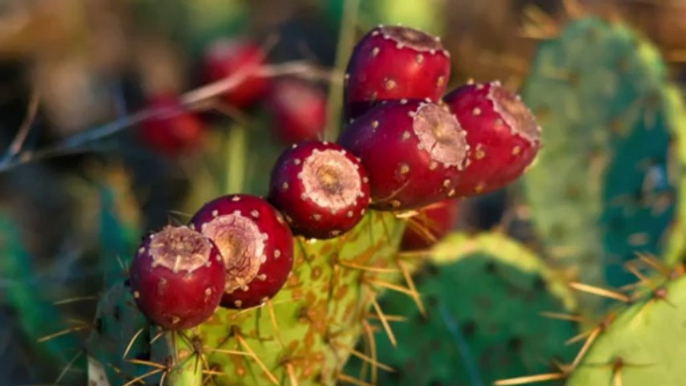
{"x": 305, "y": 333}
{"x": 629, "y": 349}
{"x": 475, "y": 333}
{"x": 604, "y": 185}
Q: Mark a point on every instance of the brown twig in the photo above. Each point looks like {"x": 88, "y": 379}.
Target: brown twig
{"x": 209, "y": 91}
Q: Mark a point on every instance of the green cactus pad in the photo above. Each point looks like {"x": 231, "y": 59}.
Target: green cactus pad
{"x": 484, "y": 297}
{"x": 319, "y": 316}
{"x": 642, "y": 346}
{"x": 29, "y": 301}
{"x": 604, "y": 185}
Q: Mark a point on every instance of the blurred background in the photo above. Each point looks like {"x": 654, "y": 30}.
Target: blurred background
{"x": 83, "y": 175}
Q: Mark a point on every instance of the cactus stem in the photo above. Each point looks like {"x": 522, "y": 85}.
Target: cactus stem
{"x": 384, "y": 322}
{"x": 530, "y": 379}
{"x": 600, "y": 292}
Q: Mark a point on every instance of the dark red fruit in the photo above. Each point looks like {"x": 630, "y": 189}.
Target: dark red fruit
{"x": 229, "y": 57}
{"x": 299, "y": 110}
{"x": 321, "y": 188}
{"x": 413, "y": 151}
{"x": 502, "y": 133}
{"x": 430, "y": 225}
{"x": 392, "y": 63}
{"x": 175, "y": 130}
{"x": 177, "y": 278}
{"x": 255, "y": 242}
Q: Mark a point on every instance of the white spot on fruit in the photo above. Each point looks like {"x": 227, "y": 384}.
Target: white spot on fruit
{"x": 317, "y": 217}
{"x": 235, "y": 198}
{"x": 284, "y": 186}
{"x": 238, "y": 303}
{"x": 375, "y": 51}
{"x": 136, "y": 294}
{"x": 389, "y": 84}
{"x": 516, "y": 150}
{"x": 404, "y": 169}
{"x": 277, "y": 253}
{"x": 375, "y": 124}
{"x": 262, "y": 277}
{"x": 255, "y": 214}
{"x": 419, "y": 58}
{"x": 476, "y": 111}
{"x": 350, "y": 214}
{"x": 403, "y": 101}
{"x": 406, "y": 135}
{"x": 296, "y": 161}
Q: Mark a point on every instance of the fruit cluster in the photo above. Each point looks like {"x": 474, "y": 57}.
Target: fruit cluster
{"x": 407, "y": 147}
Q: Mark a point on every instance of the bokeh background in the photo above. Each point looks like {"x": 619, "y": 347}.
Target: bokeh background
{"x": 70, "y": 70}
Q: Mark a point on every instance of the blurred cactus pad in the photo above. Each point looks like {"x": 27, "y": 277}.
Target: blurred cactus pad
{"x": 304, "y": 334}
{"x": 608, "y": 182}
{"x": 484, "y": 297}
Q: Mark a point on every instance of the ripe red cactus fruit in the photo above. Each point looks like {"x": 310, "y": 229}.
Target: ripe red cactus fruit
{"x": 229, "y": 57}
{"x": 393, "y": 63}
{"x": 255, "y": 242}
{"x": 175, "y": 130}
{"x": 299, "y": 110}
{"x": 430, "y": 225}
{"x": 502, "y": 133}
{"x": 321, "y": 188}
{"x": 177, "y": 278}
{"x": 414, "y": 152}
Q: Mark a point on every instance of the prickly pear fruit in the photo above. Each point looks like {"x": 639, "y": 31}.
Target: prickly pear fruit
{"x": 229, "y": 57}
{"x": 502, "y": 134}
{"x": 255, "y": 242}
{"x": 299, "y": 110}
{"x": 430, "y": 225}
{"x": 414, "y": 152}
{"x": 392, "y": 63}
{"x": 321, "y": 188}
{"x": 177, "y": 278}
{"x": 173, "y": 132}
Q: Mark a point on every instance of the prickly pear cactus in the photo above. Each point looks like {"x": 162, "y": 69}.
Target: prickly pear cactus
{"x": 484, "y": 297}
{"x": 303, "y": 335}
{"x": 632, "y": 348}
{"x": 607, "y": 182}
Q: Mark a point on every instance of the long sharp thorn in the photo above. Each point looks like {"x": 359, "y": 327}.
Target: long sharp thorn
{"x": 369, "y": 359}
{"x": 158, "y": 336}
{"x": 347, "y": 378}
{"x": 617, "y": 378}
{"x": 578, "y": 337}
{"x": 264, "y": 368}
{"x": 351, "y": 265}
{"x": 390, "y": 318}
{"x": 228, "y": 352}
{"x": 372, "y": 347}
{"x": 74, "y": 300}
{"x": 601, "y": 292}
{"x": 133, "y": 339}
{"x": 651, "y": 261}
{"x": 147, "y": 363}
{"x": 142, "y": 377}
{"x": 291, "y": 374}
{"x": 384, "y": 322}
{"x": 393, "y": 287}
{"x": 63, "y": 332}
{"x": 411, "y": 286}
{"x": 559, "y": 316}
{"x": 69, "y": 365}
{"x": 530, "y": 379}
{"x": 272, "y": 316}
{"x": 163, "y": 378}
{"x": 644, "y": 280}
{"x": 591, "y": 338}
